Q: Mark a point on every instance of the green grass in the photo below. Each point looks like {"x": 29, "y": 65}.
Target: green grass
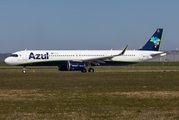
{"x": 157, "y": 64}
{"x": 2, "y": 63}
{"x": 110, "y": 93}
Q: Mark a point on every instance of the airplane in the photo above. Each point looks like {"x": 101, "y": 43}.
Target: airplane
{"x": 80, "y": 60}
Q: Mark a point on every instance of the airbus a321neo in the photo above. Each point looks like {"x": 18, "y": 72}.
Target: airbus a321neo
{"x": 83, "y": 60}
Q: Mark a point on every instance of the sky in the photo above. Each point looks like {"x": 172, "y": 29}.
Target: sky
{"x": 86, "y": 24}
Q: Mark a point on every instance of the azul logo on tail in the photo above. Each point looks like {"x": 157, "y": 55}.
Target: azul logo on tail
{"x": 155, "y": 40}
{"x": 38, "y": 56}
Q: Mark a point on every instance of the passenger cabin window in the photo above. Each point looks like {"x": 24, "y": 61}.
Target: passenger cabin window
{"x": 14, "y": 55}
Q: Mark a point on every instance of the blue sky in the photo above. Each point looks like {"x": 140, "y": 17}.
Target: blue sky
{"x": 86, "y": 24}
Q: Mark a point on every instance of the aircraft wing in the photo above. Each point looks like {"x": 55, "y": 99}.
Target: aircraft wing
{"x": 97, "y": 60}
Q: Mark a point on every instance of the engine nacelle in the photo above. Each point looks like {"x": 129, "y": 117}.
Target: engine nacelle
{"x": 75, "y": 66}
{"x": 72, "y": 66}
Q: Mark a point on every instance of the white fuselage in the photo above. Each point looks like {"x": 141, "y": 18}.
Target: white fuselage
{"x": 29, "y": 57}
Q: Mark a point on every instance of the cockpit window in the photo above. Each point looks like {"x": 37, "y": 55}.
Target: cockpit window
{"x": 14, "y": 55}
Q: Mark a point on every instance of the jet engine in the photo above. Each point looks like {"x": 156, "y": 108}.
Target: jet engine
{"x": 72, "y": 66}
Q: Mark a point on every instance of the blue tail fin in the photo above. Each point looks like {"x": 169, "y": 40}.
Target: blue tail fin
{"x": 154, "y": 42}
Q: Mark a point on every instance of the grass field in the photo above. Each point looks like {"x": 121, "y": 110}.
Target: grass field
{"x": 131, "y": 92}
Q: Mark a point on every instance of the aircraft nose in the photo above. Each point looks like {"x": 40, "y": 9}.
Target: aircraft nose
{"x": 7, "y": 61}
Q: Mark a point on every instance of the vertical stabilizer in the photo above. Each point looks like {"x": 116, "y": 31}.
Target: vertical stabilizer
{"x": 154, "y": 42}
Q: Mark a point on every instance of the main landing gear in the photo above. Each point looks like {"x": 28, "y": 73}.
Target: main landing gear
{"x": 91, "y": 70}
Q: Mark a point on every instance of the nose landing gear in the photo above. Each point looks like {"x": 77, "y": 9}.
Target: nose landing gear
{"x": 24, "y": 70}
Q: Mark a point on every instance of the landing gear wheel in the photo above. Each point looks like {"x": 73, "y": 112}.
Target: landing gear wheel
{"x": 91, "y": 70}
{"x": 23, "y": 71}
{"x": 83, "y": 71}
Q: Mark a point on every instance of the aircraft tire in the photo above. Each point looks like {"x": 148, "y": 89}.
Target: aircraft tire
{"x": 23, "y": 71}
{"x": 83, "y": 71}
{"x": 91, "y": 70}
